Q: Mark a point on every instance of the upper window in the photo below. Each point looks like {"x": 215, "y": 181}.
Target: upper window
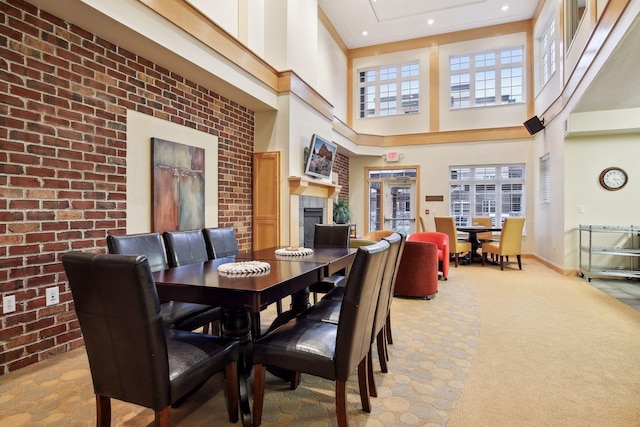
{"x": 389, "y": 90}
{"x": 548, "y": 51}
{"x": 487, "y": 78}
{"x": 495, "y": 191}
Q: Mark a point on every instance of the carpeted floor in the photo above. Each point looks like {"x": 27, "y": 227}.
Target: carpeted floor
{"x": 511, "y": 348}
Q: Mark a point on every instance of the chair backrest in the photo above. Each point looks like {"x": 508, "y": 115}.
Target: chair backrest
{"x": 357, "y": 311}
{"x": 331, "y": 235}
{"x": 116, "y": 302}
{"x": 423, "y": 227}
{"x": 396, "y": 246}
{"x": 149, "y": 244}
{"x": 220, "y": 242}
{"x": 486, "y": 222}
{"x": 356, "y": 243}
{"x": 447, "y": 225}
{"x": 185, "y": 247}
{"x": 377, "y": 234}
{"x": 511, "y": 236}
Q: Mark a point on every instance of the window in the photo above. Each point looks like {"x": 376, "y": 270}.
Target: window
{"x": 496, "y": 191}
{"x": 548, "y": 51}
{"x": 545, "y": 178}
{"x": 487, "y": 78}
{"x": 389, "y": 90}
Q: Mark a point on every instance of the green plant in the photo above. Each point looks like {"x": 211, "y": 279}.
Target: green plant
{"x": 341, "y": 212}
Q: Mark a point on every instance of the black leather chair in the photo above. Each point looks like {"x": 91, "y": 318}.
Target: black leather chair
{"x": 131, "y": 355}
{"x": 185, "y": 247}
{"x": 220, "y": 242}
{"x": 175, "y": 314}
{"x": 330, "y": 236}
{"x": 328, "y": 350}
{"x": 329, "y": 308}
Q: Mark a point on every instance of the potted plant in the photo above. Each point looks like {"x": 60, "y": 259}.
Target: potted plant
{"x": 341, "y": 212}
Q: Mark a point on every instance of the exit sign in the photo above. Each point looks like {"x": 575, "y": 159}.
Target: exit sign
{"x": 393, "y": 156}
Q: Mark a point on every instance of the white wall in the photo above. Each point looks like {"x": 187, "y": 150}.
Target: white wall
{"x": 585, "y": 158}
{"x": 332, "y": 73}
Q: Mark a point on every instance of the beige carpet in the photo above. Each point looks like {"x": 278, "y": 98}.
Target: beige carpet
{"x": 493, "y": 349}
{"x": 553, "y": 351}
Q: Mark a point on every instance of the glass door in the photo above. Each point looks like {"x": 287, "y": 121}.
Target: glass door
{"x": 392, "y": 199}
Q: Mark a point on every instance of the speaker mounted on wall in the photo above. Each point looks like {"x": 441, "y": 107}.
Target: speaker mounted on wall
{"x": 534, "y": 125}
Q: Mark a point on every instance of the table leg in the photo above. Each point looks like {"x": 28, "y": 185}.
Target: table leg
{"x": 236, "y": 324}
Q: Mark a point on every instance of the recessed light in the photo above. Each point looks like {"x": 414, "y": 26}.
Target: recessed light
{"x": 365, "y": 33}
{"x": 430, "y": 21}
{"x": 505, "y": 8}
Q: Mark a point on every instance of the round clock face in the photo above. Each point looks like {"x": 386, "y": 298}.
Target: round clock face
{"x": 613, "y": 178}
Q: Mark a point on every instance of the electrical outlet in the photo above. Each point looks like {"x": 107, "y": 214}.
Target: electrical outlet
{"x": 53, "y": 296}
{"x": 8, "y": 304}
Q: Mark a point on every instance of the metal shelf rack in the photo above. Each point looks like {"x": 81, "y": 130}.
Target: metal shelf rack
{"x": 621, "y": 258}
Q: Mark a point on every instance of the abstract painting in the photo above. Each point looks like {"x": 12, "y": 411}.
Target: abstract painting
{"x": 178, "y": 186}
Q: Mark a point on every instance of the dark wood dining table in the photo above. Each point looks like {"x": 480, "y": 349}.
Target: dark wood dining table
{"x": 242, "y": 297}
{"x": 473, "y": 236}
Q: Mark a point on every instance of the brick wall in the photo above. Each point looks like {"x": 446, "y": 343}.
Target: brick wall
{"x": 64, "y": 94}
{"x": 341, "y": 167}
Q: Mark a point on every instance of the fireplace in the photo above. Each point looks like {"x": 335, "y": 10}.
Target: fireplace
{"x": 311, "y": 217}
{"x": 316, "y": 196}
{"x": 312, "y": 212}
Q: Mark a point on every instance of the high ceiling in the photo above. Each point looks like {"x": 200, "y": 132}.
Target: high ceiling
{"x": 395, "y": 20}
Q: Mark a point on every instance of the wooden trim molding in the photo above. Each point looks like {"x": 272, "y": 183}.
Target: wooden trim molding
{"x": 191, "y": 20}
{"x": 289, "y": 81}
{"x": 306, "y": 187}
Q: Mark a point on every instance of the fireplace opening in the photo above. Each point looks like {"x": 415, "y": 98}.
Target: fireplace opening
{"x": 312, "y": 216}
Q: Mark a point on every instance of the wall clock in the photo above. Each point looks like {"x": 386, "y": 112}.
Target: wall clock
{"x": 613, "y": 178}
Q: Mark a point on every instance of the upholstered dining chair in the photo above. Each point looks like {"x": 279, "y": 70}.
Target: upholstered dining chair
{"x": 220, "y": 242}
{"x": 441, "y": 241}
{"x": 376, "y": 235}
{"x": 447, "y": 225}
{"x": 423, "y": 227}
{"x": 484, "y": 221}
{"x": 132, "y": 357}
{"x": 330, "y": 236}
{"x": 175, "y": 314}
{"x": 185, "y": 247}
{"x": 329, "y": 308}
{"x": 324, "y": 349}
{"x": 510, "y": 242}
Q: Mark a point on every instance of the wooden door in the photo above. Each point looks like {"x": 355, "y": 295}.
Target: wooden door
{"x": 266, "y": 200}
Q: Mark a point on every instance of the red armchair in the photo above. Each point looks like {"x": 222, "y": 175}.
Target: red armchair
{"x": 442, "y": 242}
{"x": 417, "y": 275}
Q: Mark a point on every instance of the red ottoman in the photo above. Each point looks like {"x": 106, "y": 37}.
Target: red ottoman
{"x": 418, "y": 271}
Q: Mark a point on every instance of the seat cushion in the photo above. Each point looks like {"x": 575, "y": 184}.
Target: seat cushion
{"x": 301, "y": 345}
{"x": 188, "y": 316}
{"x": 193, "y": 355}
{"x": 326, "y": 310}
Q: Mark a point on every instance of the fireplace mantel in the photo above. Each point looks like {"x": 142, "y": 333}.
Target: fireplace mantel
{"x": 310, "y": 187}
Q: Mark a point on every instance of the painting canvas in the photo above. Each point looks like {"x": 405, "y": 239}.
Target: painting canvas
{"x": 178, "y": 186}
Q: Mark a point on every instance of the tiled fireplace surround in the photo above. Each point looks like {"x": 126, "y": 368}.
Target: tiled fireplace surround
{"x": 313, "y": 195}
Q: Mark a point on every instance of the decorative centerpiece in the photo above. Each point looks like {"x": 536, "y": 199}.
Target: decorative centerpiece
{"x": 244, "y": 268}
{"x": 294, "y": 251}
